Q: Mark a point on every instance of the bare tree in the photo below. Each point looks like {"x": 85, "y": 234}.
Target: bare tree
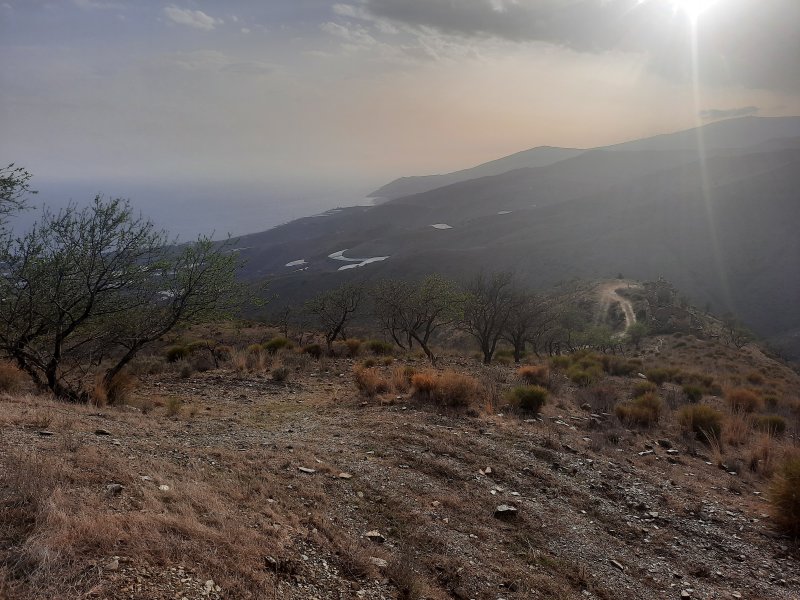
{"x": 528, "y": 321}
{"x": 335, "y": 309}
{"x": 412, "y": 312}
{"x": 83, "y": 287}
{"x": 489, "y": 302}
{"x": 14, "y": 189}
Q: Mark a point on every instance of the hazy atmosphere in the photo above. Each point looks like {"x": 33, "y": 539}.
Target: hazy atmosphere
{"x": 286, "y": 107}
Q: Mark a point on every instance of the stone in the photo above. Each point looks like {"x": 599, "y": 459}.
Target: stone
{"x": 616, "y": 564}
{"x": 505, "y": 511}
{"x": 375, "y": 536}
{"x": 344, "y": 475}
{"x": 664, "y": 443}
{"x": 163, "y": 488}
{"x": 378, "y": 562}
{"x": 114, "y": 489}
{"x": 102, "y": 432}
{"x": 45, "y": 433}
{"x": 306, "y": 470}
{"x": 113, "y": 564}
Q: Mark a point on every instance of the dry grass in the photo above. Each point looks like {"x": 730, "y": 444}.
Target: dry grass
{"x": 535, "y": 375}
{"x": 743, "y": 400}
{"x": 446, "y": 388}
{"x": 642, "y": 411}
{"x": 11, "y": 378}
{"x": 784, "y": 494}
{"x": 369, "y": 381}
{"x": 702, "y": 420}
{"x": 736, "y": 430}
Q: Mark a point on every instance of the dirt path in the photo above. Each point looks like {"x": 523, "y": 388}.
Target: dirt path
{"x": 609, "y": 296}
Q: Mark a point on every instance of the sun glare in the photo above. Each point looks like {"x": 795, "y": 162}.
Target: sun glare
{"x": 693, "y": 9}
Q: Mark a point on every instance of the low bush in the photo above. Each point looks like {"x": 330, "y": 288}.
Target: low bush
{"x": 276, "y": 344}
{"x": 11, "y": 378}
{"x": 694, "y": 393}
{"x": 379, "y": 347}
{"x": 368, "y": 363}
{"x": 176, "y": 353}
{"x": 120, "y": 389}
{"x": 775, "y": 425}
{"x": 280, "y": 373}
{"x": 172, "y": 408}
{"x": 640, "y": 388}
{"x": 535, "y": 374}
{"x": 600, "y": 396}
{"x": 401, "y": 378}
{"x": 743, "y": 400}
{"x": 755, "y": 377}
{"x": 617, "y": 365}
{"x": 642, "y": 411}
{"x": 447, "y": 388}
{"x": 528, "y": 398}
{"x": 560, "y": 362}
{"x": 313, "y": 350}
{"x": 784, "y": 494}
{"x": 255, "y": 349}
{"x": 658, "y": 376}
{"x": 369, "y": 381}
{"x": 353, "y": 347}
{"x": 702, "y": 420}
{"x": 584, "y": 376}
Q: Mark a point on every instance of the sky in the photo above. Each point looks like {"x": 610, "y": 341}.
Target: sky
{"x": 293, "y": 106}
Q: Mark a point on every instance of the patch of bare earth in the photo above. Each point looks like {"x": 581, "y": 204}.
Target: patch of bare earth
{"x": 257, "y": 489}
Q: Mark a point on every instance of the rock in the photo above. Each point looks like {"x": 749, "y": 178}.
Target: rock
{"x": 664, "y": 443}
{"x": 163, "y": 488}
{"x": 344, "y": 475}
{"x": 686, "y": 593}
{"x": 672, "y": 452}
{"x": 378, "y": 562}
{"x": 505, "y": 511}
{"x": 113, "y": 564}
{"x": 375, "y": 536}
{"x": 306, "y": 470}
{"x": 641, "y": 376}
{"x": 102, "y": 432}
{"x": 646, "y": 453}
{"x": 586, "y": 406}
{"x": 616, "y": 564}
{"x": 114, "y": 489}
{"x": 488, "y": 470}
{"x": 45, "y": 433}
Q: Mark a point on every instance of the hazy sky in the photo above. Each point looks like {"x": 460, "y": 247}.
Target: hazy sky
{"x": 355, "y": 93}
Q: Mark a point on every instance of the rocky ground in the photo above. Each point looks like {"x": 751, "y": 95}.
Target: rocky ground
{"x": 236, "y": 486}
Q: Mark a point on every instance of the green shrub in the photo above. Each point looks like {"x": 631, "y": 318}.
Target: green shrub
{"x": 658, "y": 376}
{"x": 353, "y": 346}
{"x": 775, "y": 425}
{"x": 772, "y": 401}
{"x": 255, "y": 349}
{"x": 743, "y": 400}
{"x": 560, "y": 362}
{"x": 784, "y": 494}
{"x": 280, "y": 374}
{"x": 616, "y": 365}
{"x": 379, "y": 347}
{"x": 640, "y": 388}
{"x": 313, "y": 350}
{"x": 694, "y": 393}
{"x": 584, "y": 376}
{"x": 276, "y": 344}
{"x": 643, "y": 411}
{"x": 176, "y": 353}
{"x": 704, "y": 421}
{"x": 528, "y": 398}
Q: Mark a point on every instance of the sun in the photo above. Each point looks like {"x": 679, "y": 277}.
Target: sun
{"x": 694, "y": 9}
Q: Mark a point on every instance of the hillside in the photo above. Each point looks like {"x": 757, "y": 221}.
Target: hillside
{"x": 239, "y": 482}
{"x": 723, "y": 230}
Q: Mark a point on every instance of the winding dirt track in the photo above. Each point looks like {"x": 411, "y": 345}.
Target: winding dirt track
{"x": 608, "y": 296}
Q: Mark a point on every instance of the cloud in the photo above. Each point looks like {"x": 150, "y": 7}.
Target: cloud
{"x": 191, "y": 18}
{"x": 741, "y": 42}
{"x": 714, "y": 114}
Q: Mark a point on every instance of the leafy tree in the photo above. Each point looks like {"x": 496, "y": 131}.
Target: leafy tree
{"x": 636, "y": 333}
{"x": 412, "y": 312}
{"x": 734, "y": 332}
{"x": 489, "y": 303}
{"x": 334, "y": 310}
{"x": 94, "y": 286}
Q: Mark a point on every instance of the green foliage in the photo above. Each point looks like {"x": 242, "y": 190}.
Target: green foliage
{"x": 704, "y": 421}
{"x": 561, "y": 361}
{"x": 617, "y": 365}
{"x": 640, "y": 388}
{"x": 313, "y": 350}
{"x": 637, "y": 332}
{"x": 176, "y": 353}
{"x": 694, "y": 393}
{"x": 658, "y": 376}
{"x": 775, "y": 425}
{"x": 277, "y": 343}
{"x": 379, "y": 347}
{"x": 528, "y": 398}
{"x": 643, "y": 411}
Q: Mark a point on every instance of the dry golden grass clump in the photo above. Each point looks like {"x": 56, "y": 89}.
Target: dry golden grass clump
{"x": 743, "y": 400}
{"x": 535, "y": 375}
{"x": 353, "y": 347}
{"x": 774, "y": 425}
{"x": 117, "y": 392}
{"x": 642, "y": 411}
{"x": 784, "y": 494}
{"x": 11, "y": 378}
{"x": 446, "y": 388}
{"x": 369, "y": 381}
{"x": 702, "y": 420}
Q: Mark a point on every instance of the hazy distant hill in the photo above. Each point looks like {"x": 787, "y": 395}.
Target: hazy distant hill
{"x": 724, "y": 230}
{"x": 734, "y": 133}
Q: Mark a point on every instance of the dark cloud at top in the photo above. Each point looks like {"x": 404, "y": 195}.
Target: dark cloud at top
{"x": 754, "y": 43}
